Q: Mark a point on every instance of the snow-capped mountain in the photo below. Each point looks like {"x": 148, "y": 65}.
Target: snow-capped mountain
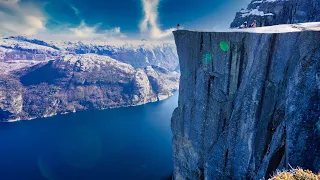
{"x": 32, "y": 41}
{"x": 274, "y": 12}
{"x": 40, "y": 79}
{"x": 138, "y": 54}
{"x": 22, "y": 48}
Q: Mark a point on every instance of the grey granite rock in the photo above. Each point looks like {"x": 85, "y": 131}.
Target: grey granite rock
{"x": 274, "y": 12}
{"x": 249, "y": 104}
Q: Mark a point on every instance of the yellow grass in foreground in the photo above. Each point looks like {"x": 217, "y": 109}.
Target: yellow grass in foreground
{"x": 296, "y": 174}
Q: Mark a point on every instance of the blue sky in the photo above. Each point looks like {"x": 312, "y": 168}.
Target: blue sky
{"x": 120, "y": 19}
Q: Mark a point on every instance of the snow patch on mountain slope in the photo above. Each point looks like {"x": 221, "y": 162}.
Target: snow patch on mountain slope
{"x": 10, "y": 66}
{"x": 31, "y": 40}
{"x": 283, "y": 28}
{"x": 90, "y": 62}
{"x": 275, "y": 12}
{"x": 255, "y": 12}
{"x": 14, "y": 44}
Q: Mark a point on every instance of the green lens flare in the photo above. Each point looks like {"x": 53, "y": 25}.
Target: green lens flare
{"x": 186, "y": 73}
{"x": 207, "y": 58}
{"x": 224, "y": 46}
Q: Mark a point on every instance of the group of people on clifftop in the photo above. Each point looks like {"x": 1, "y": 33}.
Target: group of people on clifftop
{"x": 245, "y": 25}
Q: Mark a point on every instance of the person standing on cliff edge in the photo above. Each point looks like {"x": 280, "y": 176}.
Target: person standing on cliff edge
{"x": 254, "y": 24}
{"x": 245, "y": 25}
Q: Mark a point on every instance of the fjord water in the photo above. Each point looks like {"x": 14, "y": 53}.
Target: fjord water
{"x": 125, "y": 143}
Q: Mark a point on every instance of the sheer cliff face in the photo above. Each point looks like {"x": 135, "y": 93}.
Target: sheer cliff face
{"x": 273, "y": 12}
{"x": 249, "y": 104}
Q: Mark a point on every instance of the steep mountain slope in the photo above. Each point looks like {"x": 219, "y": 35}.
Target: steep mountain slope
{"x": 80, "y": 82}
{"x": 274, "y": 12}
{"x": 249, "y": 103}
{"x": 39, "y": 78}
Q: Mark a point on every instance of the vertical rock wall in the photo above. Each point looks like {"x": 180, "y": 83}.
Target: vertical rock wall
{"x": 249, "y": 104}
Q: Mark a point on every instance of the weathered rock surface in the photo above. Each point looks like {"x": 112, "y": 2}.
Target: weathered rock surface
{"x": 249, "y": 103}
{"x": 80, "y": 82}
{"x": 274, "y": 12}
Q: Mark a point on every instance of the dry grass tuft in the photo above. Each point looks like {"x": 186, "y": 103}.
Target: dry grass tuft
{"x": 296, "y": 174}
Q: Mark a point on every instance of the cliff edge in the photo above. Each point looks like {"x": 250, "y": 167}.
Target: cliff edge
{"x": 249, "y": 102}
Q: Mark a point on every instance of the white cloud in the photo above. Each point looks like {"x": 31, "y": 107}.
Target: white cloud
{"x": 76, "y": 10}
{"x": 35, "y": 22}
{"x": 10, "y": 1}
{"x": 116, "y": 30}
{"x": 84, "y": 31}
{"x": 149, "y": 22}
{"x": 18, "y": 18}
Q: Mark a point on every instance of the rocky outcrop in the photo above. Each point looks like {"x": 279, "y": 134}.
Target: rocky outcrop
{"x": 249, "y": 103}
{"x": 80, "y": 82}
{"x": 274, "y": 12}
{"x": 40, "y": 79}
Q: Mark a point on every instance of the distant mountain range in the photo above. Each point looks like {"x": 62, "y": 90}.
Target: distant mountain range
{"x": 138, "y": 54}
{"x": 40, "y": 79}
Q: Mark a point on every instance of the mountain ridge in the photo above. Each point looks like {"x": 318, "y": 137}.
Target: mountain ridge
{"x": 40, "y": 79}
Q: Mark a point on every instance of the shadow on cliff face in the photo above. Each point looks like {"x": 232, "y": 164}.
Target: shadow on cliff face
{"x": 169, "y": 177}
{"x": 45, "y": 74}
{"x": 275, "y": 162}
{"x": 4, "y": 115}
